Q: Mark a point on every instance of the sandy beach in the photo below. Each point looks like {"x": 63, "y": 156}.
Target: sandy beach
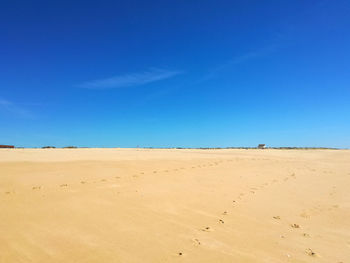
{"x": 174, "y": 205}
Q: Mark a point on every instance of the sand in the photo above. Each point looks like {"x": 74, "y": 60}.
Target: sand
{"x": 143, "y": 205}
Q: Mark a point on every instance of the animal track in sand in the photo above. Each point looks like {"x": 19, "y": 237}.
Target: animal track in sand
{"x": 277, "y": 217}
{"x": 305, "y": 235}
{"x": 63, "y": 185}
{"x": 224, "y": 213}
{"x": 295, "y": 225}
{"x": 221, "y": 221}
{"x": 36, "y": 187}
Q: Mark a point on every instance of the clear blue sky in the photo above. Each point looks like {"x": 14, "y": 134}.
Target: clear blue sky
{"x": 175, "y": 73}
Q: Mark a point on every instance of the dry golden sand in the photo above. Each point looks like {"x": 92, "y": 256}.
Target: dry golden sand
{"x": 140, "y": 205}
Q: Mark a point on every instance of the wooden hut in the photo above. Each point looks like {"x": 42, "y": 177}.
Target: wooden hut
{"x": 261, "y": 146}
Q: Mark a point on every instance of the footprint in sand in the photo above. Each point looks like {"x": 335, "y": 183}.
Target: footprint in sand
{"x": 63, "y": 185}
{"x": 207, "y": 229}
{"x": 196, "y": 242}
{"x": 277, "y": 217}
{"x": 305, "y": 235}
{"x": 224, "y": 213}
{"x": 295, "y": 225}
{"x": 36, "y": 187}
{"x": 221, "y": 221}
{"x": 310, "y": 252}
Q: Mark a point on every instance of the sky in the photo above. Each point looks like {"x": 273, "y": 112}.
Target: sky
{"x": 175, "y": 73}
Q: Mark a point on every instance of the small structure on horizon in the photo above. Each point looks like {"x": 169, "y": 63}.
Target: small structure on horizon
{"x": 7, "y": 146}
{"x": 261, "y": 146}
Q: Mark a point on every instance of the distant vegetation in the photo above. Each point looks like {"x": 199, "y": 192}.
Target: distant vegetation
{"x": 53, "y": 147}
{"x": 199, "y": 148}
{"x": 247, "y": 148}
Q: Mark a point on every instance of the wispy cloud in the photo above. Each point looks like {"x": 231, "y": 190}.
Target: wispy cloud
{"x": 243, "y": 58}
{"x": 215, "y": 71}
{"x": 130, "y": 80}
{"x": 14, "y": 109}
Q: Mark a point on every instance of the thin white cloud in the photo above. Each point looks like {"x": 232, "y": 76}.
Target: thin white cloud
{"x": 10, "y": 107}
{"x": 246, "y": 57}
{"x": 130, "y": 80}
